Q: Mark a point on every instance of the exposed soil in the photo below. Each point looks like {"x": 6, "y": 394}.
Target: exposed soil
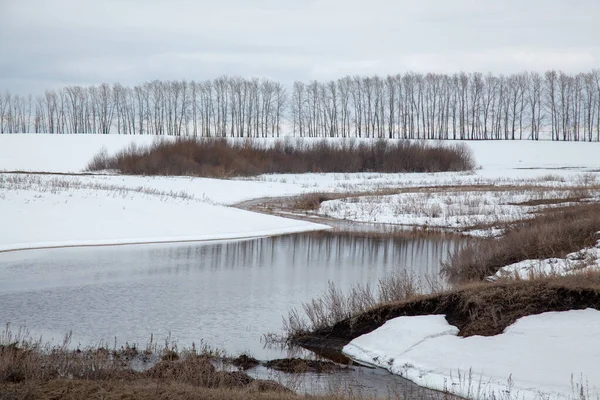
{"x": 300, "y": 365}
{"x": 245, "y": 362}
{"x": 542, "y": 202}
{"x": 286, "y": 207}
{"x": 484, "y": 309}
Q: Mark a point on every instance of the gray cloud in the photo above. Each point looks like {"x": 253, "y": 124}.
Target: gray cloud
{"x": 49, "y": 43}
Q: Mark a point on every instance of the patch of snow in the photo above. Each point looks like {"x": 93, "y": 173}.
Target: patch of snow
{"x": 548, "y": 356}
{"x": 456, "y": 208}
{"x": 577, "y": 262}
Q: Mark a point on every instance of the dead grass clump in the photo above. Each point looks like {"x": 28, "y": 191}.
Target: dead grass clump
{"x": 335, "y": 305}
{"x": 197, "y": 371}
{"x": 24, "y": 359}
{"x": 220, "y": 158}
{"x": 310, "y": 201}
{"x": 552, "y": 234}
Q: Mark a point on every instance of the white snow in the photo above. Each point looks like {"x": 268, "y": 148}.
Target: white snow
{"x": 581, "y": 261}
{"x": 76, "y": 217}
{"x": 59, "y": 153}
{"x": 456, "y": 208}
{"x": 545, "y": 356}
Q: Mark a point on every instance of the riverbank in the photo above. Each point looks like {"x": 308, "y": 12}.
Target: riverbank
{"x": 489, "y": 334}
{"x": 442, "y": 341}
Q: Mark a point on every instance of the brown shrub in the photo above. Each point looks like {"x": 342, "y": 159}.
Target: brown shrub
{"x": 220, "y": 158}
{"x": 553, "y": 234}
{"x": 310, "y": 201}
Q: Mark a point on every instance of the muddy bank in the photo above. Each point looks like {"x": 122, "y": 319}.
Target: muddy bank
{"x": 291, "y": 207}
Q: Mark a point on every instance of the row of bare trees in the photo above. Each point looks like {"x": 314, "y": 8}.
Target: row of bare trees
{"x": 222, "y": 107}
{"x": 528, "y": 105}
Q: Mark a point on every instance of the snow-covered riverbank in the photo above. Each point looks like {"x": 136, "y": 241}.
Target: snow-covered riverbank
{"x": 553, "y": 355}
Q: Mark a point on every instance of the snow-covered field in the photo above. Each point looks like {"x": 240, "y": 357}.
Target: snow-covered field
{"x": 465, "y": 208}
{"x": 547, "y": 356}
{"x": 104, "y": 209}
{"x": 50, "y": 211}
{"x": 71, "y": 153}
{"x": 506, "y": 164}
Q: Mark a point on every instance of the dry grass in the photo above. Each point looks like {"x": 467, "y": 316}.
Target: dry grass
{"x": 221, "y": 159}
{"x": 335, "y": 305}
{"x": 552, "y": 234}
{"x": 150, "y": 389}
{"x": 310, "y": 201}
{"x": 30, "y": 369}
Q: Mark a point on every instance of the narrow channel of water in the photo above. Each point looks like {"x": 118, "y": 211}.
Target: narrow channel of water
{"x": 225, "y": 294}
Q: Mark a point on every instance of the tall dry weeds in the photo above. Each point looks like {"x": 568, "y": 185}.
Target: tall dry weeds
{"x": 552, "y": 234}
{"x": 335, "y": 305}
{"x": 220, "y": 158}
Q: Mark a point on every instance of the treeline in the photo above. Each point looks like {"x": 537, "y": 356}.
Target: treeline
{"x": 528, "y": 105}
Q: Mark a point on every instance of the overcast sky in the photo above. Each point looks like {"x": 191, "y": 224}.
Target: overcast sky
{"x": 53, "y": 43}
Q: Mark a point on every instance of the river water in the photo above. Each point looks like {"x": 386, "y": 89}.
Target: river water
{"x": 224, "y": 294}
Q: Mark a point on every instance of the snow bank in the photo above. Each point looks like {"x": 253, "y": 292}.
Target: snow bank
{"x": 76, "y": 217}
{"x": 542, "y": 356}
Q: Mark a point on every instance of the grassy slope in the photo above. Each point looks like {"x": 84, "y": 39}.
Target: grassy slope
{"x": 555, "y": 233}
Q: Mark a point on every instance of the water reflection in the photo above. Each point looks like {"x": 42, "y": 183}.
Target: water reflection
{"x": 226, "y": 294}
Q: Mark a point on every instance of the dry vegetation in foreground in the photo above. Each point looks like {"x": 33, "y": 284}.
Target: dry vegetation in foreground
{"x": 554, "y": 233}
{"x": 220, "y": 158}
{"x": 476, "y": 309}
{"x": 32, "y": 370}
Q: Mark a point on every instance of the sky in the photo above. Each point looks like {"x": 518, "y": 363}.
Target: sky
{"x": 55, "y": 43}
